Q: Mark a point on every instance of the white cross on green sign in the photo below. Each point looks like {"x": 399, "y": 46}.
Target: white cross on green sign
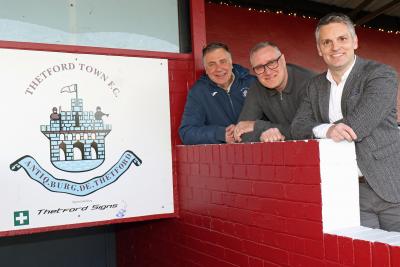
{"x": 21, "y": 217}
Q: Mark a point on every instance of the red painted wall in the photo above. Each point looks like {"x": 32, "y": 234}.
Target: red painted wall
{"x": 242, "y": 28}
{"x": 248, "y": 205}
{"x": 181, "y": 77}
{"x": 241, "y": 205}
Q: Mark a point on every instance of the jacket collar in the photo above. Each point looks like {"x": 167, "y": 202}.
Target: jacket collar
{"x": 348, "y": 86}
{"x": 238, "y": 72}
{"x": 324, "y": 93}
{"x": 288, "y": 87}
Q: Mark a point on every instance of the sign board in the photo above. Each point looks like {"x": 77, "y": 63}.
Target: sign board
{"x": 85, "y": 138}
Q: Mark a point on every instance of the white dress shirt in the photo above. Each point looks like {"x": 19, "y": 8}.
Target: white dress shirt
{"x": 335, "y": 106}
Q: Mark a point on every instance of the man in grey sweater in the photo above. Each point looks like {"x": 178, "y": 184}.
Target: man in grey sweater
{"x": 272, "y": 101}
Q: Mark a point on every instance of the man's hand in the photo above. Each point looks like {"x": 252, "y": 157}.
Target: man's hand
{"x": 229, "y": 138}
{"x": 339, "y": 132}
{"x": 271, "y": 135}
{"x": 243, "y": 127}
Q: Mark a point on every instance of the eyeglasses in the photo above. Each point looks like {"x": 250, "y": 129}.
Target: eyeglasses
{"x": 273, "y": 64}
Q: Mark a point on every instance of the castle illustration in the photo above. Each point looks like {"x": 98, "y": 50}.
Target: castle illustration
{"x": 77, "y": 137}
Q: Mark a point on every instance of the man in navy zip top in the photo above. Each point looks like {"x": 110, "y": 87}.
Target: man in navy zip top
{"x": 215, "y": 101}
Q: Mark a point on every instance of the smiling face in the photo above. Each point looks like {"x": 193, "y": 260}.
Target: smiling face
{"x": 218, "y": 66}
{"x": 336, "y": 46}
{"x": 271, "y": 78}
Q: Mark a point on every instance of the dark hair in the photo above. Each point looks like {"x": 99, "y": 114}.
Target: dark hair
{"x": 335, "y": 18}
{"x": 262, "y": 45}
{"x": 214, "y": 46}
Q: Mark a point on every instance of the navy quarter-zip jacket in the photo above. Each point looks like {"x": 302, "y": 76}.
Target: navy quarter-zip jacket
{"x": 210, "y": 109}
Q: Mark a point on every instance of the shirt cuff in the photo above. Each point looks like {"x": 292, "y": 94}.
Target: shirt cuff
{"x": 321, "y": 130}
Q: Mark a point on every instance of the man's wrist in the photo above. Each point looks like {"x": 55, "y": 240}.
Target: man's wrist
{"x": 321, "y": 130}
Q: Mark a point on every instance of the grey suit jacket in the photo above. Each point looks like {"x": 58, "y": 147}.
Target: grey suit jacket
{"x": 369, "y": 108}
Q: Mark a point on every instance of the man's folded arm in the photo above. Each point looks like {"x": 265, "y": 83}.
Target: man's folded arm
{"x": 374, "y": 106}
{"x": 210, "y": 134}
{"x": 193, "y": 129}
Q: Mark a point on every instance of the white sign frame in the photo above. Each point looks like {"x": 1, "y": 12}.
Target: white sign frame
{"x": 132, "y": 179}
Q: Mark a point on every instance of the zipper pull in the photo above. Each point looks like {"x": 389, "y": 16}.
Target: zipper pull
{"x": 281, "y": 95}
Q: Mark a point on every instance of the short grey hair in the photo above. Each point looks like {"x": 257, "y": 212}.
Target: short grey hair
{"x": 335, "y": 18}
{"x": 261, "y": 45}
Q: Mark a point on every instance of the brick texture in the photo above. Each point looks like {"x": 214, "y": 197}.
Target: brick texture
{"x": 234, "y": 212}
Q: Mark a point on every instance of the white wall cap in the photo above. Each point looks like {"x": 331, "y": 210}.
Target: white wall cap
{"x": 350, "y": 230}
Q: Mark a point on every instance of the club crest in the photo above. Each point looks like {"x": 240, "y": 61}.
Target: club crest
{"x": 77, "y": 137}
{"x": 77, "y": 144}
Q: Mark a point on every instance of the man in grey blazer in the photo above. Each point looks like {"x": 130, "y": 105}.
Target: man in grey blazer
{"x": 355, "y": 100}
